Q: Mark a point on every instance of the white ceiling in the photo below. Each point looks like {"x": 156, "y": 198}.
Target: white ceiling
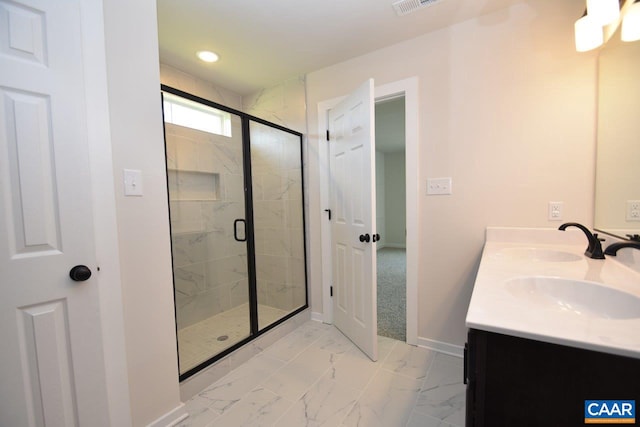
{"x": 264, "y": 42}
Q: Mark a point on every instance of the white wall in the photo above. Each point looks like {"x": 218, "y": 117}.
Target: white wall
{"x": 143, "y": 224}
{"x": 395, "y": 200}
{"x": 381, "y": 199}
{"x": 507, "y": 109}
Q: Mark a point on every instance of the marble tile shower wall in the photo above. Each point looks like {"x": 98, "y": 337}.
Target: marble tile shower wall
{"x": 277, "y": 193}
{"x": 178, "y": 79}
{"x": 277, "y": 206}
{"x": 206, "y": 195}
{"x": 284, "y": 104}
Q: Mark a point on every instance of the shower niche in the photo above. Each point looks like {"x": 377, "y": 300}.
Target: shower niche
{"x": 237, "y": 226}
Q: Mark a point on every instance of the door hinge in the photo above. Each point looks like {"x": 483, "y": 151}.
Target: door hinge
{"x": 331, "y": 291}
{"x": 328, "y": 136}
{"x": 328, "y": 211}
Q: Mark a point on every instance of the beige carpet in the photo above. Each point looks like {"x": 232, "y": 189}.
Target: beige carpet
{"x": 392, "y": 304}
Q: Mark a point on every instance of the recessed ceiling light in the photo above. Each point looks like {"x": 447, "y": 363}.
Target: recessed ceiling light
{"x": 208, "y": 56}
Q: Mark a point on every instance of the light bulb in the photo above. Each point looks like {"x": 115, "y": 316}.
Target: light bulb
{"x": 207, "y": 56}
{"x": 589, "y": 34}
{"x": 603, "y": 12}
{"x": 631, "y": 23}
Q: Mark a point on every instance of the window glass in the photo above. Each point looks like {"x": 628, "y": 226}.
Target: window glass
{"x": 183, "y": 112}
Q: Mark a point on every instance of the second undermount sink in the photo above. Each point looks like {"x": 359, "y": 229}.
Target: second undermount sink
{"x": 540, "y": 254}
{"x": 579, "y": 297}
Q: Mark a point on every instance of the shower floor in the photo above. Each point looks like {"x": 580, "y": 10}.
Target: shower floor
{"x": 199, "y": 342}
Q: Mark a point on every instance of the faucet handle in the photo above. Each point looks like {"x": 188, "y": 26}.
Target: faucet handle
{"x": 594, "y": 250}
{"x": 634, "y": 237}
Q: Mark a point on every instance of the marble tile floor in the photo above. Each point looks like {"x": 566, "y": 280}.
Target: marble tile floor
{"x": 314, "y": 376}
{"x": 199, "y": 342}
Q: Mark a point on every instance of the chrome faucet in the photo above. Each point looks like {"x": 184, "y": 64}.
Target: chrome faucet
{"x": 613, "y": 248}
{"x": 594, "y": 250}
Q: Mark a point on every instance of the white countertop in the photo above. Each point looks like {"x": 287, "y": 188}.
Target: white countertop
{"x": 495, "y": 308}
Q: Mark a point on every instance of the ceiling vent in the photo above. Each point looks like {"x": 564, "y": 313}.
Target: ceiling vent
{"x": 404, "y": 7}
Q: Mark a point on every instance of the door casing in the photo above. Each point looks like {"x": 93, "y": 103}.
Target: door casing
{"x": 409, "y": 89}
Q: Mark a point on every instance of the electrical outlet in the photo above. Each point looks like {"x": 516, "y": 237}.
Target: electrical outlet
{"x": 633, "y": 210}
{"x": 555, "y": 211}
{"x": 439, "y": 186}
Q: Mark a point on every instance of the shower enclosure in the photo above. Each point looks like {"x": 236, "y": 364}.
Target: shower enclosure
{"x": 237, "y": 226}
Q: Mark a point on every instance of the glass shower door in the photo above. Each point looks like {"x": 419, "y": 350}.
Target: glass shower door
{"x": 208, "y": 231}
{"x": 276, "y": 177}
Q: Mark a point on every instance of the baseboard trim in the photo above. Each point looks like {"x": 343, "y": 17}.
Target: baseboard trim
{"x": 441, "y": 347}
{"x": 171, "y": 418}
{"x": 318, "y": 317}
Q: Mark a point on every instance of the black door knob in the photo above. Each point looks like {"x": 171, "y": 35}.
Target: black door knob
{"x": 364, "y": 238}
{"x": 376, "y": 237}
{"x": 80, "y": 273}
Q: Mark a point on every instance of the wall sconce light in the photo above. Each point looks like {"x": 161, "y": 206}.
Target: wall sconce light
{"x": 588, "y": 33}
{"x": 631, "y": 23}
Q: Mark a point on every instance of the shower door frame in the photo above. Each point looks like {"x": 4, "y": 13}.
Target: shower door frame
{"x": 255, "y": 330}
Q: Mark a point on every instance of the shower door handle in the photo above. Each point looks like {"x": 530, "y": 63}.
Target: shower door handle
{"x": 235, "y": 230}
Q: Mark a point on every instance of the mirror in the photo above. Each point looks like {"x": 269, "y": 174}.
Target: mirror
{"x": 617, "y": 207}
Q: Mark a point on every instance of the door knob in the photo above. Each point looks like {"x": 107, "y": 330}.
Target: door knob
{"x": 376, "y": 237}
{"x": 80, "y": 273}
{"x": 364, "y": 238}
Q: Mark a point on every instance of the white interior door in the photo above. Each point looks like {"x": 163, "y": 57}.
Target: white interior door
{"x": 353, "y": 223}
{"x": 51, "y": 363}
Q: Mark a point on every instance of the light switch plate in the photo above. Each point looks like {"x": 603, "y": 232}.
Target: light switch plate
{"x": 132, "y": 182}
{"x": 439, "y": 186}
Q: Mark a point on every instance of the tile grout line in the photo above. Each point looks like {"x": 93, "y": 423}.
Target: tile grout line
{"x": 262, "y": 352}
{"x": 366, "y": 386}
{"x": 381, "y": 362}
{"x": 316, "y": 381}
{"x": 285, "y": 364}
{"x": 426, "y": 376}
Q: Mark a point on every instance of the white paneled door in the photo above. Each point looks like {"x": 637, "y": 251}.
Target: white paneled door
{"x": 353, "y": 222}
{"x": 51, "y": 362}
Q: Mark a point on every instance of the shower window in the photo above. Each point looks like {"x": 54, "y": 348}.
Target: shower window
{"x": 190, "y": 114}
{"x": 237, "y": 234}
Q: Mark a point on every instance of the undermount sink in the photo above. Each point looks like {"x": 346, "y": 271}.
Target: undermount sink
{"x": 579, "y": 297}
{"x": 540, "y": 254}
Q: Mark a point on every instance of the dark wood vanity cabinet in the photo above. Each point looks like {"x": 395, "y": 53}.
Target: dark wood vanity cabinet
{"x": 517, "y": 382}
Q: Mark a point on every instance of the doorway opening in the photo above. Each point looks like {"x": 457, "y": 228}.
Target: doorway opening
{"x": 391, "y": 223}
{"x": 407, "y": 88}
